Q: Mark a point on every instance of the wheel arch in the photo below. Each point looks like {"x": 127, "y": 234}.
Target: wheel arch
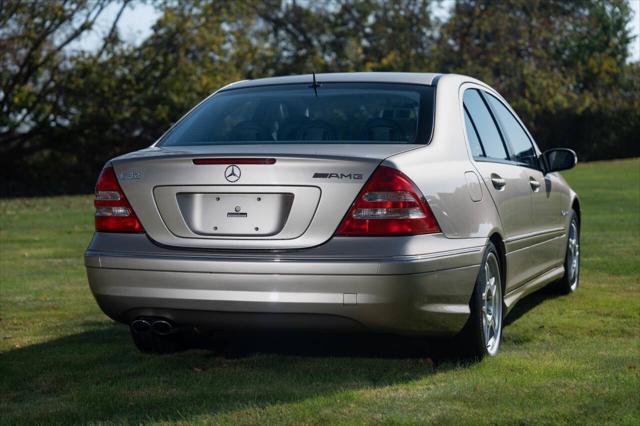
{"x": 498, "y": 242}
{"x": 575, "y": 205}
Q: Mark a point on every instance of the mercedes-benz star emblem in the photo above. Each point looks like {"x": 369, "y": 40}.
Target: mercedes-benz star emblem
{"x": 232, "y": 173}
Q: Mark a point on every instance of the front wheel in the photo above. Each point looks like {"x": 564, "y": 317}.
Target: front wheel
{"x": 483, "y": 332}
{"x": 571, "y": 279}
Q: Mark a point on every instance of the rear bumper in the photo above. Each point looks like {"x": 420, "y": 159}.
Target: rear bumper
{"x": 341, "y": 285}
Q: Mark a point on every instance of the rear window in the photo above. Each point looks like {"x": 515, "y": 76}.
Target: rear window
{"x": 293, "y": 113}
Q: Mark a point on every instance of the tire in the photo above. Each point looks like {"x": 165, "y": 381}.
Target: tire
{"x": 151, "y": 343}
{"x": 482, "y": 334}
{"x": 571, "y": 280}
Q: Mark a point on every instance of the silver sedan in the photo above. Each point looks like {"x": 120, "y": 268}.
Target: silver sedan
{"x": 406, "y": 203}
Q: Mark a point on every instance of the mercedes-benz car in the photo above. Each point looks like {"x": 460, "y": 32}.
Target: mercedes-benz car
{"x": 405, "y": 203}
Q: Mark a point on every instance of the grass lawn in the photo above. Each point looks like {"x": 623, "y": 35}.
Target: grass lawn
{"x": 571, "y": 359}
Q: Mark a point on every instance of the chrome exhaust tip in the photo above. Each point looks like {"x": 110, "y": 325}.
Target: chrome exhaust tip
{"x": 162, "y": 327}
{"x": 141, "y": 325}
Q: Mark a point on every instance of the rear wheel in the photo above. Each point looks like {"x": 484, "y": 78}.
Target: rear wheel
{"x": 571, "y": 279}
{"x": 483, "y": 332}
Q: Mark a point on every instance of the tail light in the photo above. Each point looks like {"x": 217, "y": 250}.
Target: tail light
{"x": 389, "y": 204}
{"x": 113, "y": 211}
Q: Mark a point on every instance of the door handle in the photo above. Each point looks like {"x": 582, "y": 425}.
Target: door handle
{"x": 497, "y": 181}
{"x": 535, "y": 185}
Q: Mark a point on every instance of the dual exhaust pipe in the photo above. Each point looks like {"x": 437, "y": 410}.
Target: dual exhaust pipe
{"x": 157, "y": 326}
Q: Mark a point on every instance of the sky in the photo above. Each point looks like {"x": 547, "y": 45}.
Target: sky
{"x": 635, "y": 30}
{"x": 136, "y": 22}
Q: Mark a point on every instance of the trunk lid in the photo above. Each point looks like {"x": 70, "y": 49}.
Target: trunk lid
{"x": 296, "y": 202}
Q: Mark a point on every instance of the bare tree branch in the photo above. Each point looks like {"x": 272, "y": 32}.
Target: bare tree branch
{"x": 114, "y": 28}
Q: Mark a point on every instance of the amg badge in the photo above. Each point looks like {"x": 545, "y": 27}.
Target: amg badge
{"x": 354, "y": 176}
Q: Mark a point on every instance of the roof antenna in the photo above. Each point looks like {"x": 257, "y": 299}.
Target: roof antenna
{"x": 315, "y": 84}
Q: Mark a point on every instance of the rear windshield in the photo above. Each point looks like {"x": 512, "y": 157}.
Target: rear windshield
{"x": 295, "y": 113}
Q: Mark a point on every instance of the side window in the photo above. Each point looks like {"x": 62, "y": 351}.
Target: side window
{"x": 485, "y": 125}
{"x": 523, "y": 149}
{"x": 472, "y": 135}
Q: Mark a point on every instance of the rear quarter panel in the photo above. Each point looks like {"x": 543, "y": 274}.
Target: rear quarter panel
{"x": 445, "y": 175}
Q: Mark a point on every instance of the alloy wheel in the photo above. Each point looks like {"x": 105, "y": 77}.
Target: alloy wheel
{"x": 573, "y": 255}
{"x": 492, "y": 305}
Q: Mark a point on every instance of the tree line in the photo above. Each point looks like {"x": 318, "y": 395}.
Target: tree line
{"x": 563, "y": 65}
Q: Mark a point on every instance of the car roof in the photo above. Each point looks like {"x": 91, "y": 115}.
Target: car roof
{"x": 347, "y": 77}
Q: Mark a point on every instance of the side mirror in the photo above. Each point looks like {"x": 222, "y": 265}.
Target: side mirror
{"x": 559, "y": 159}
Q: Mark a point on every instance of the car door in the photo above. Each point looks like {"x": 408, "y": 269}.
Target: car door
{"x": 507, "y": 182}
{"x": 545, "y": 240}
